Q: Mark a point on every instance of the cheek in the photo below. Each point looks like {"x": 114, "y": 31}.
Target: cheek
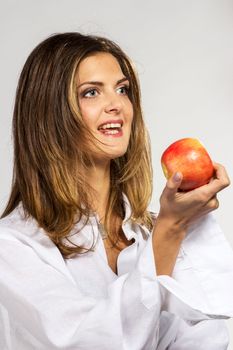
{"x": 130, "y": 114}
{"x": 89, "y": 114}
{"x": 127, "y": 109}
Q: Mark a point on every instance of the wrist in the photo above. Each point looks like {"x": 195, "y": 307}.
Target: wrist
{"x": 167, "y": 238}
{"x": 170, "y": 228}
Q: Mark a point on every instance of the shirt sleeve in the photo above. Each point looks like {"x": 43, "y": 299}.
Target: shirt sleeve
{"x": 202, "y": 282}
{"x": 203, "y": 335}
{"x": 177, "y": 334}
{"x": 53, "y": 314}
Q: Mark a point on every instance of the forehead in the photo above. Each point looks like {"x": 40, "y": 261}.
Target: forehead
{"x": 97, "y": 66}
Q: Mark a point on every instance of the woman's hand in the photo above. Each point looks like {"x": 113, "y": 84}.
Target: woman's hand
{"x": 177, "y": 211}
{"x": 181, "y": 208}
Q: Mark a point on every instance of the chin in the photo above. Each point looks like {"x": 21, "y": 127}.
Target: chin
{"x": 115, "y": 155}
{"x": 112, "y": 154}
{"x": 110, "y": 151}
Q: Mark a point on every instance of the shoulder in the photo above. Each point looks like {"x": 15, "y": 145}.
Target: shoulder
{"x": 18, "y": 227}
{"x": 16, "y": 219}
{"x": 21, "y": 239}
{"x": 10, "y": 223}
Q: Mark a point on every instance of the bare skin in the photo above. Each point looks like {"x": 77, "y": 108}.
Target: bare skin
{"x": 103, "y": 98}
{"x": 177, "y": 211}
{"x": 99, "y": 179}
{"x": 113, "y": 252}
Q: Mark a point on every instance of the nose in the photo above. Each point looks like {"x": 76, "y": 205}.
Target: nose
{"x": 113, "y": 103}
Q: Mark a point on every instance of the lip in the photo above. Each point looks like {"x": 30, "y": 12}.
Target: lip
{"x": 107, "y": 133}
{"x": 111, "y": 121}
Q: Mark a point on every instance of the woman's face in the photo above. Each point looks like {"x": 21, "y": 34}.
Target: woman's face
{"x": 104, "y": 104}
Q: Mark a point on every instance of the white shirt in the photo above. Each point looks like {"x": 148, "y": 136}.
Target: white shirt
{"x": 47, "y": 302}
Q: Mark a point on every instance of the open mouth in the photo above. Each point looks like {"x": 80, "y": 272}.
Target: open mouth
{"x": 111, "y": 128}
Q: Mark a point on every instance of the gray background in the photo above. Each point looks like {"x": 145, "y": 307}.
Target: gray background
{"x": 183, "y": 51}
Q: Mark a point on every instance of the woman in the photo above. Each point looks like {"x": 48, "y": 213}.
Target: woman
{"x": 83, "y": 264}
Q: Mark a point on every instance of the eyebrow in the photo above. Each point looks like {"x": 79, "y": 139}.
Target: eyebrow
{"x": 99, "y": 83}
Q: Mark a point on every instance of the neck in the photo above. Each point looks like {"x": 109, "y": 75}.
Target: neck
{"x": 98, "y": 178}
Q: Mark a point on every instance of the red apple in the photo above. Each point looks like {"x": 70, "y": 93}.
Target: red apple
{"x": 189, "y": 157}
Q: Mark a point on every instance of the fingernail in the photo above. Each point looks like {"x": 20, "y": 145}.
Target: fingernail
{"x": 177, "y": 177}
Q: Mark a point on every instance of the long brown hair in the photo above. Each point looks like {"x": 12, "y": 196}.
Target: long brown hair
{"x": 51, "y": 142}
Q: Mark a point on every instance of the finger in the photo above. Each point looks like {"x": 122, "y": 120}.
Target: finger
{"x": 221, "y": 174}
{"x": 173, "y": 184}
{"x": 200, "y": 215}
{"x": 217, "y": 184}
{"x": 212, "y": 204}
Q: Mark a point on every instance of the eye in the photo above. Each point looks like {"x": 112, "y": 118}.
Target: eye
{"x": 123, "y": 90}
{"x": 90, "y": 93}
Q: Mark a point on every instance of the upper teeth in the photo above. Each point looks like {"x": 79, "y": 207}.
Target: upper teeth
{"x": 110, "y": 125}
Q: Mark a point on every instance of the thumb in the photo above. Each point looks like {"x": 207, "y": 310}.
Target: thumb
{"x": 173, "y": 183}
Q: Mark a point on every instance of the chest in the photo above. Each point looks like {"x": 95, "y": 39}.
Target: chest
{"x": 113, "y": 252}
